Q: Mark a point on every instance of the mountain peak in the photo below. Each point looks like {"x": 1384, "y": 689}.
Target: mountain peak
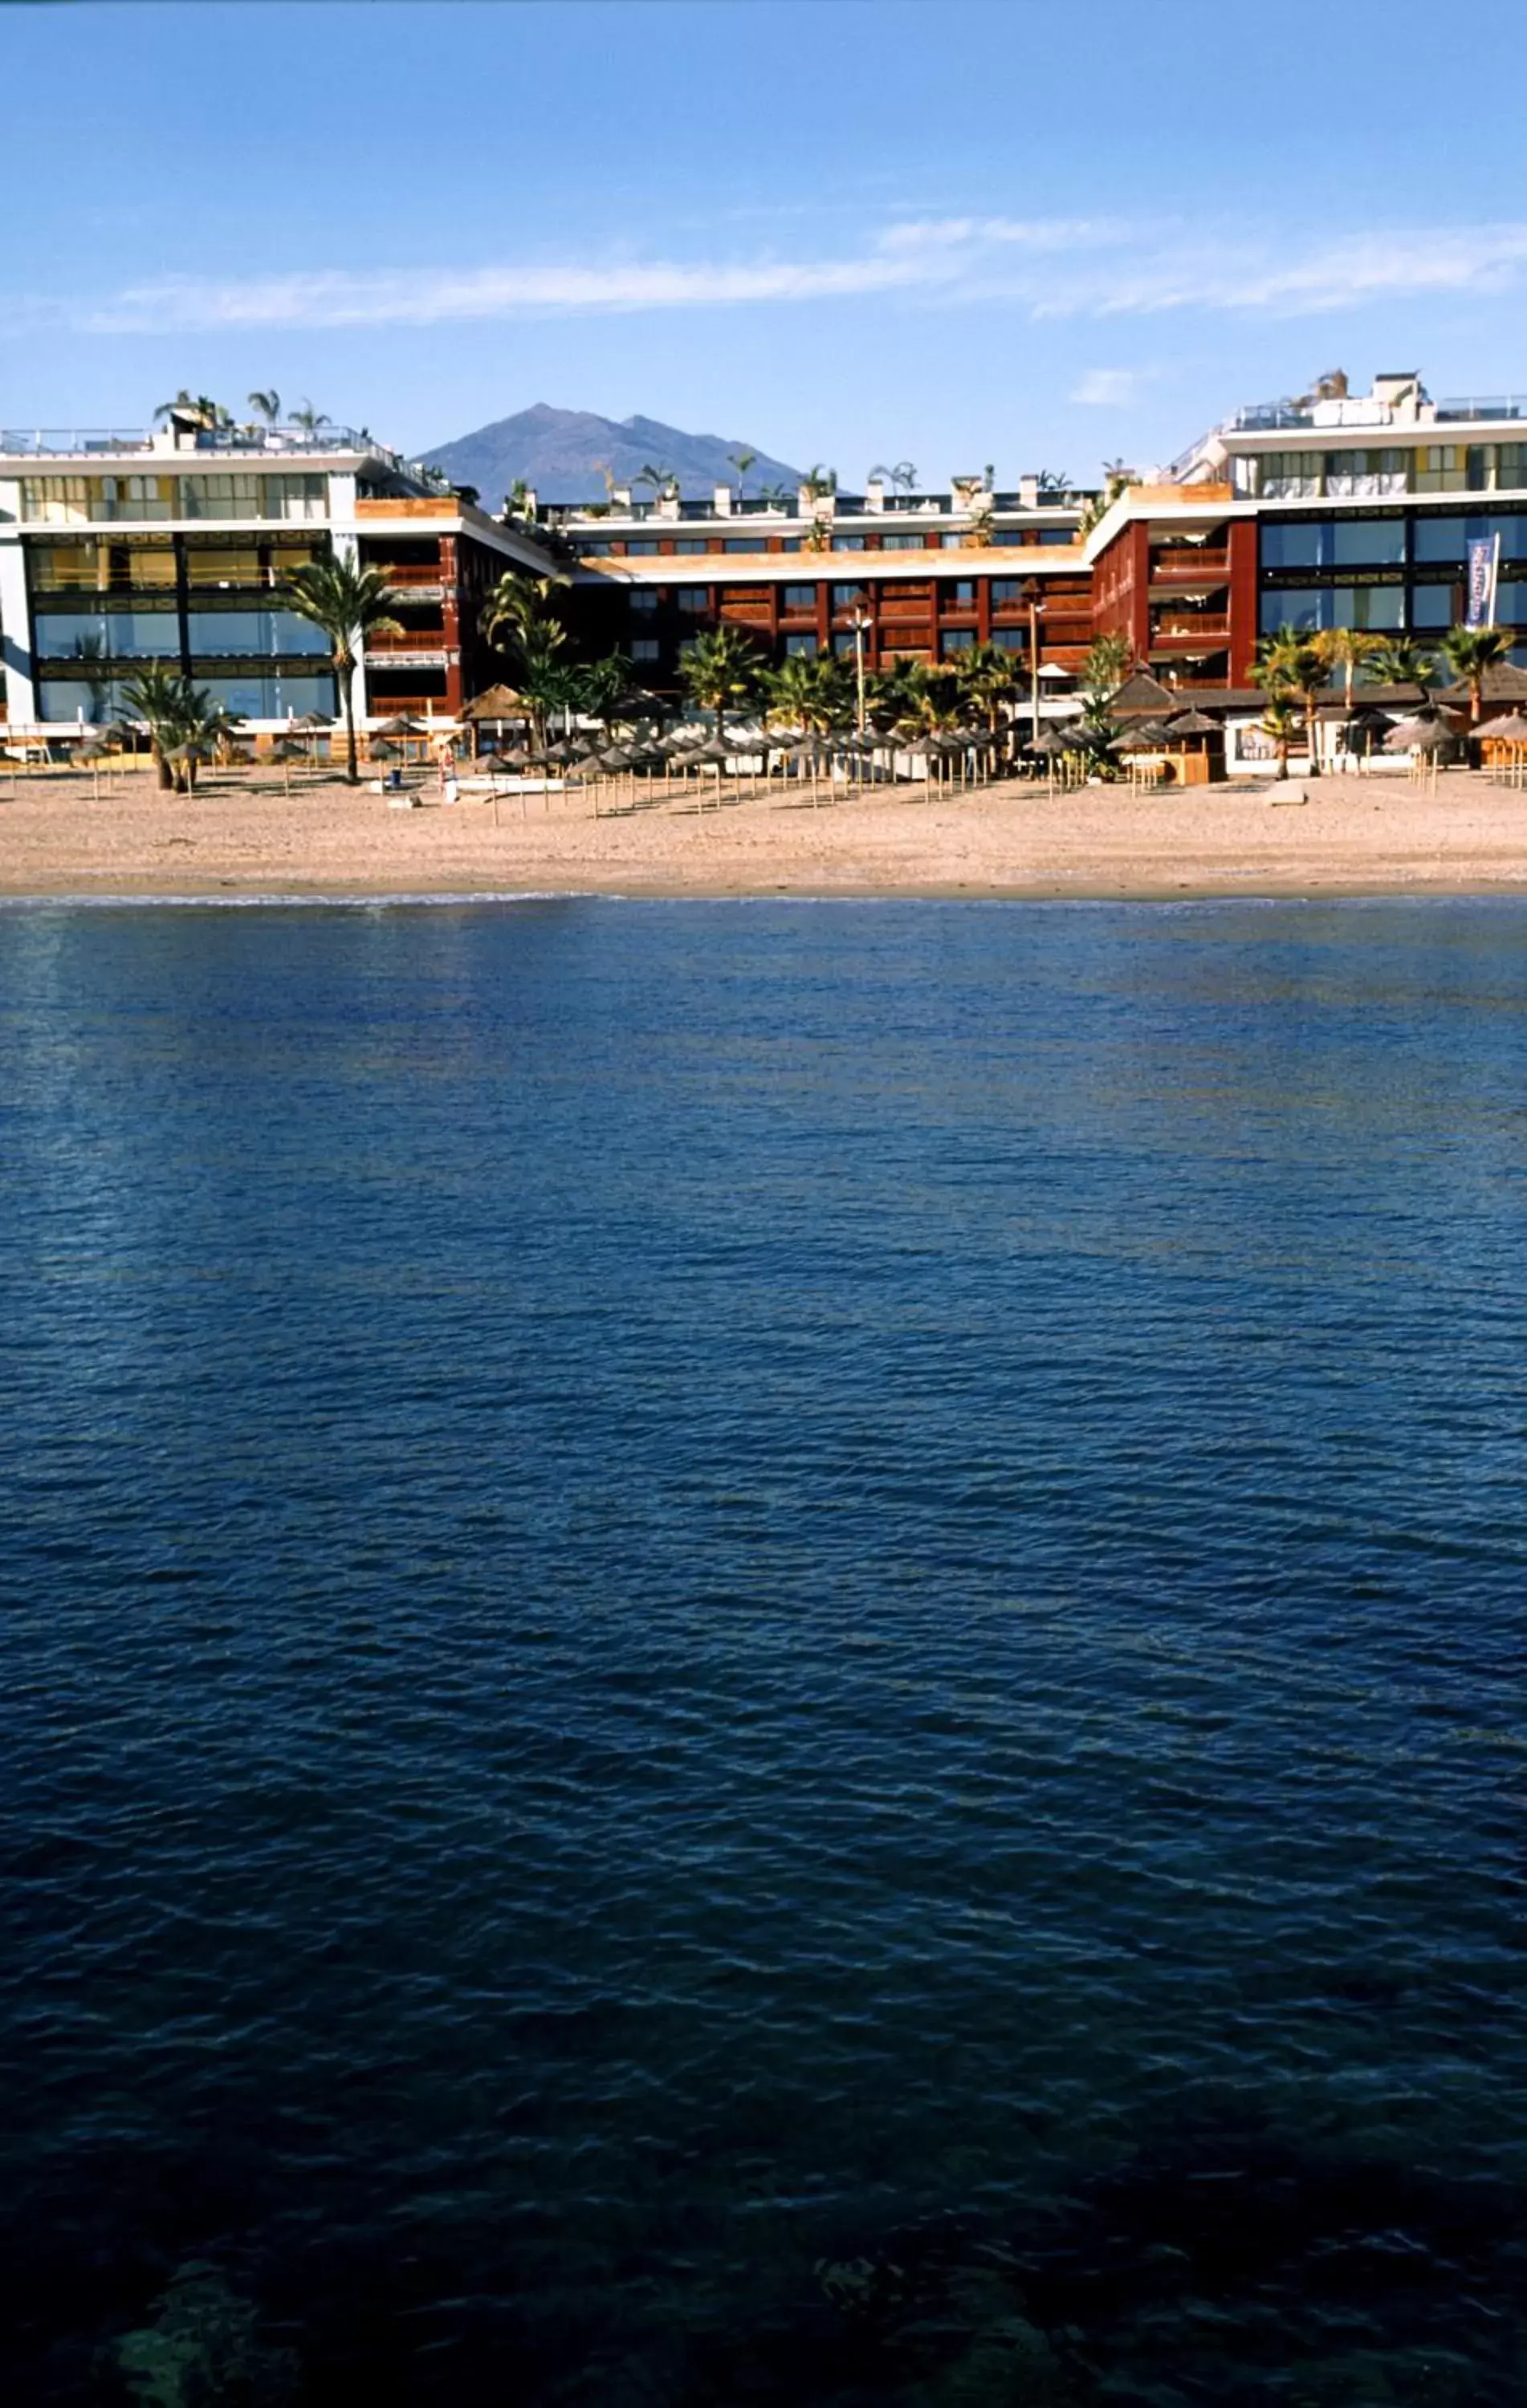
{"x": 565, "y": 453}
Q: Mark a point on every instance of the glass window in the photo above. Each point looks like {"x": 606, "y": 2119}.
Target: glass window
{"x": 845, "y": 597}
{"x": 744, "y": 543}
{"x": 230, "y": 564}
{"x": 98, "y": 701}
{"x": 1057, "y": 535}
{"x": 256, "y": 695}
{"x": 1009, "y": 640}
{"x": 641, "y": 550}
{"x": 1434, "y": 606}
{"x": 1449, "y": 538}
{"x": 1441, "y": 468}
{"x": 108, "y": 635}
{"x": 266, "y": 633}
{"x": 688, "y": 543}
{"x": 594, "y": 550}
{"x": 903, "y": 543}
{"x": 1006, "y": 591}
{"x": 960, "y": 594}
{"x": 952, "y": 542}
{"x": 805, "y": 645}
{"x": 848, "y": 543}
{"x": 1363, "y": 543}
{"x": 1285, "y": 546}
{"x": 790, "y": 544}
{"x": 1511, "y": 605}
{"x": 641, "y": 605}
{"x": 1290, "y": 476}
{"x": 798, "y": 597}
{"x": 1380, "y": 608}
{"x": 845, "y": 645}
{"x": 645, "y": 648}
{"x": 956, "y": 639}
{"x": 693, "y": 599}
{"x": 1511, "y": 465}
{"x": 1366, "y": 472}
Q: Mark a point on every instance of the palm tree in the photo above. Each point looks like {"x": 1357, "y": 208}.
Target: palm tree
{"x": 267, "y": 406}
{"x": 986, "y": 679}
{"x": 602, "y": 686}
{"x": 902, "y": 475}
{"x": 812, "y": 692}
{"x": 1281, "y": 722}
{"x": 1469, "y": 651}
{"x": 1399, "y": 660}
{"x": 522, "y": 618}
{"x": 1054, "y": 480}
{"x": 742, "y": 462}
{"x": 819, "y": 482}
{"x": 156, "y": 696}
{"x": 197, "y": 408}
{"x": 1291, "y": 663}
{"x": 349, "y": 603}
{"x": 185, "y": 726}
{"x": 720, "y": 668}
{"x": 662, "y": 481}
{"x": 1346, "y": 649}
{"x": 310, "y": 419}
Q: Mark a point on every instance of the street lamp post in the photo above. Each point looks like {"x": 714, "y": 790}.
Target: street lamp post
{"x": 861, "y": 623}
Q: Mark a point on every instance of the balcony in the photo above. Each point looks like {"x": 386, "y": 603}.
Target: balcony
{"x": 423, "y": 582}
{"x": 1189, "y": 633}
{"x": 1188, "y": 565}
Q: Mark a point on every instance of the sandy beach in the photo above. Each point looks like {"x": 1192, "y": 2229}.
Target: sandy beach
{"x": 1340, "y": 835}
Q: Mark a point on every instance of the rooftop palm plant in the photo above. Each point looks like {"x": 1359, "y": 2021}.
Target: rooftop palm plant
{"x": 742, "y": 462}
{"x": 819, "y": 482}
{"x": 197, "y": 408}
{"x": 310, "y": 419}
{"x": 266, "y": 406}
{"x": 349, "y": 603}
{"x": 1469, "y": 651}
{"x": 720, "y": 668}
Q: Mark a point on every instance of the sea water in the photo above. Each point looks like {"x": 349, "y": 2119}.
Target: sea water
{"x": 765, "y": 1652}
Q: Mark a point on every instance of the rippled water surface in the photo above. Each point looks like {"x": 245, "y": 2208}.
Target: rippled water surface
{"x": 694, "y": 1588}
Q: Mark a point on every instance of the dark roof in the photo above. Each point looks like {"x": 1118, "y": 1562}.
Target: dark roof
{"x": 1504, "y": 682}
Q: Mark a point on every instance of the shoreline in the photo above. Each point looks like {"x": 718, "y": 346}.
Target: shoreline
{"x": 1348, "y": 838}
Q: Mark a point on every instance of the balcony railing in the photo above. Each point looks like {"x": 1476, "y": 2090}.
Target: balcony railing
{"x": 42, "y": 442}
{"x": 1186, "y": 560}
{"x": 1192, "y": 626}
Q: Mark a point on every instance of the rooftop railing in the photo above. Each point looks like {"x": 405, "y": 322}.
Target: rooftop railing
{"x": 108, "y": 442}
{"x": 1506, "y": 405}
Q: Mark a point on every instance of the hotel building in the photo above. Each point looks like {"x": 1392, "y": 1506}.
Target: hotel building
{"x": 1334, "y": 509}
{"x": 885, "y": 574}
{"x": 119, "y": 549}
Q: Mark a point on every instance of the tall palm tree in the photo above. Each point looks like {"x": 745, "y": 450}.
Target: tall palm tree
{"x": 986, "y": 679}
{"x": 1346, "y": 649}
{"x": 310, "y": 419}
{"x": 819, "y": 482}
{"x": 522, "y": 618}
{"x": 742, "y": 462}
{"x": 1291, "y": 663}
{"x": 1469, "y": 651}
{"x": 902, "y": 474}
{"x": 349, "y": 603}
{"x": 267, "y": 406}
{"x": 720, "y": 668}
{"x": 662, "y": 481}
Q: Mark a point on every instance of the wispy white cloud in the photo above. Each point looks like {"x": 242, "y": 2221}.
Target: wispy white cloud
{"x": 1110, "y": 388}
{"x": 1047, "y": 267}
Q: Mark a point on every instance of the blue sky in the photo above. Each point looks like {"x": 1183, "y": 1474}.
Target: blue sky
{"x": 846, "y": 230}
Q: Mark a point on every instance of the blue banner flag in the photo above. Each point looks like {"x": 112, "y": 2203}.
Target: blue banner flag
{"x": 1484, "y": 561}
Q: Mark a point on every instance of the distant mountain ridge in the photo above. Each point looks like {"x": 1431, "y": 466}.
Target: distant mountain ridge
{"x": 564, "y": 452}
